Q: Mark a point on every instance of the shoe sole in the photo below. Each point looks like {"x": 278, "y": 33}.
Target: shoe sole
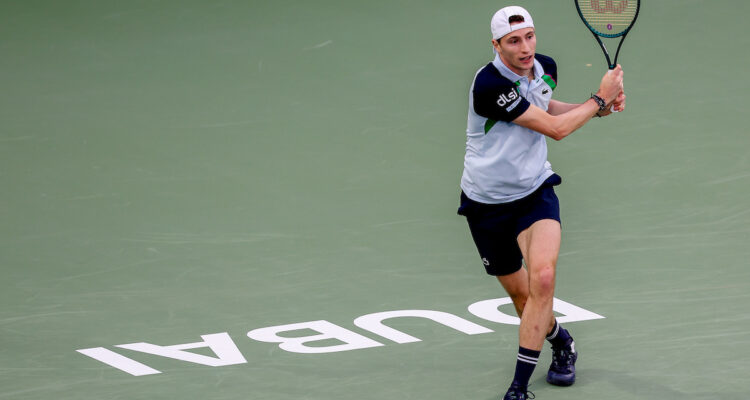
{"x": 560, "y": 382}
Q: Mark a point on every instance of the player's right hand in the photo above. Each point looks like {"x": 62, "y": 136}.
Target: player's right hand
{"x": 611, "y": 84}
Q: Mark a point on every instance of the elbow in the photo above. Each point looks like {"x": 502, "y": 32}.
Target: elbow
{"x": 559, "y": 134}
{"x": 561, "y": 130}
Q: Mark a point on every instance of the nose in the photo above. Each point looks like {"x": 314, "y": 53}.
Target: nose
{"x": 525, "y": 47}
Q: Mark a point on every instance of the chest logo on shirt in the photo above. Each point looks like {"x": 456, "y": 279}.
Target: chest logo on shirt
{"x": 507, "y": 98}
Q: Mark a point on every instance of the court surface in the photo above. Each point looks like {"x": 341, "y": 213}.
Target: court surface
{"x": 179, "y": 169}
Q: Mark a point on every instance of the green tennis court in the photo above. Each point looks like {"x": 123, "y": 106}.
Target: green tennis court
{"x": 178, "y": 174}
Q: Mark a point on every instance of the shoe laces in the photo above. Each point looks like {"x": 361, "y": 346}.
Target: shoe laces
{"x": 562, "y": 357}
{"x": 520, "y": 394}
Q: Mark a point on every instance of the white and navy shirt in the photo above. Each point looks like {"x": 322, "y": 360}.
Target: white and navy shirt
{"x": 505, "y": 161}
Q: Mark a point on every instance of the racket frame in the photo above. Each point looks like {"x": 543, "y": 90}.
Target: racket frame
{"x": 598, "y": 35}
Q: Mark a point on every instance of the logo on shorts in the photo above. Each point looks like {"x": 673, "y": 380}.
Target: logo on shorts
{"x": 485, "y": 262}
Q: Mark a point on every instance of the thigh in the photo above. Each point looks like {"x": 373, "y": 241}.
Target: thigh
{"x": 540, "y": 244}
{"x": 542, "y": 204}
{"x": 516, "y": 284}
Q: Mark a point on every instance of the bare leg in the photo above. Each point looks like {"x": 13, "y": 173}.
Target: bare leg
{"x": 540, "y": 245}
{"x": 517, "y": 287}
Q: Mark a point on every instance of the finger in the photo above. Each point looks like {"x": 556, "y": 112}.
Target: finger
{"x": 615, "y": 71}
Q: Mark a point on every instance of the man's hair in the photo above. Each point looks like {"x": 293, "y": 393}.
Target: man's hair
{"x": 514, "y": 19}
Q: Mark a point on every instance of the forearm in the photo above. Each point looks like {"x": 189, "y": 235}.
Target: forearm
{"x": 564, "y": 118}
{"x": 559, "y": 107}
{"x": 558, "y": 126}
{"x": 574, "y": 117}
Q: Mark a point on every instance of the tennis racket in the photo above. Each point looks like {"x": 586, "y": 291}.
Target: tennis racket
{"x": 609, "y": 19}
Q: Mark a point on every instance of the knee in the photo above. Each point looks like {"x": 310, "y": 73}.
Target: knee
{"x": 543, "y": 281}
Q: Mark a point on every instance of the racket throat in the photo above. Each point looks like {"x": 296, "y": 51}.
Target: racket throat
{"x": 610, "y": 64}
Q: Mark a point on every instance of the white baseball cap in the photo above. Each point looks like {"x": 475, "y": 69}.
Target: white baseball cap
{"x": 500, "y": 25}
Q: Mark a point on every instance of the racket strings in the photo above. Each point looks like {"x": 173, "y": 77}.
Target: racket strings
{"x": 609, "y": 17}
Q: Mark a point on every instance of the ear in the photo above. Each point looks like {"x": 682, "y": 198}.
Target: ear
{"x": 496, "y": 44}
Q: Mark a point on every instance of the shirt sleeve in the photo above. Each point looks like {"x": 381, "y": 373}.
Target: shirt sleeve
{"x": 498, "y": 100}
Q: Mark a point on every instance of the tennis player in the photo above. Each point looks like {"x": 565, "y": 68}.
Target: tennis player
{"x": 507, "y": 184}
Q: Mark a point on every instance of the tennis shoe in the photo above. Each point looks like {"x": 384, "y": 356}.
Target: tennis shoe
{"x": 518, "y": 393}
{"x": 562, "y": 371}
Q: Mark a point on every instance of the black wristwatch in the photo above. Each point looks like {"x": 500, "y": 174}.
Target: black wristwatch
{"x": 600, "y": 101}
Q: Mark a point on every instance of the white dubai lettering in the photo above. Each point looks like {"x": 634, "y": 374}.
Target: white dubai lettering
{"x": 227, "y": 353}
{"x": 374, "y": 324}
{"x": 351, "y": 340}
{"x": 221, "y": 344}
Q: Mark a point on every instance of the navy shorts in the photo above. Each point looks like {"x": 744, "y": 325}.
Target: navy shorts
{"x": 495, "y": 227}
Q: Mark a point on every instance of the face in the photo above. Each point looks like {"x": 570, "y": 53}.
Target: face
{"x": 517, "y": 50}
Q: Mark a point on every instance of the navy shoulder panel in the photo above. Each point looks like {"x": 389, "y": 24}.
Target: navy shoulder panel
{"x": 549, "y": 65}
{"x": 496, "y": 97}
{"x": 490, "y": 76}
